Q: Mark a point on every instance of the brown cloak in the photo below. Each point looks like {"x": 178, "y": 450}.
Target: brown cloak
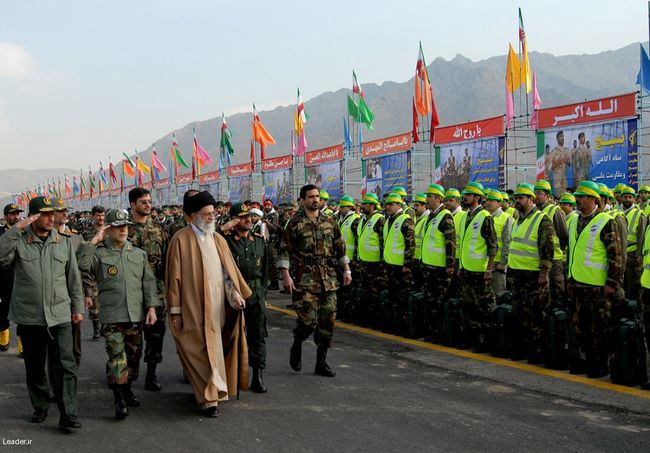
{"x": 196, "y": 341}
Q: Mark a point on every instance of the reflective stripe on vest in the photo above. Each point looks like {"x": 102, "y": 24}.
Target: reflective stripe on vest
{"x": 524, "y": 250}
{"x": 369, "y": 240}
{"x": 550, "y": 211}
{"x": 348, "y": 235}
{"x": 645, "y": 276}
{"x": 499, "y": 226}
{"x": 420, "y": 226}
{"x": 632, "y": 216}
{"x": 459, "y": 220}
{"x": 433, "y": 243}
{"x": 587, "y": 254}
{"x": 394, "y": 243}
{"x": 473, "y": 253}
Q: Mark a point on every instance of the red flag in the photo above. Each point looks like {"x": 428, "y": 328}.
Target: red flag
{"x": 193, "y": 170}
{"x": 262, "y": 153}
{"x": 416, "y": 124}
{"x": 252, "y": 155}
{"x": 435, "y": 119}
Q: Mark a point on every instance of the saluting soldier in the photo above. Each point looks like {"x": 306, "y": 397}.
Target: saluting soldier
{"x": 152, "y": 238}
{"x": 11, "y": 217}
{"x": 249, "y": 251}
{"x": 127, "y": 288}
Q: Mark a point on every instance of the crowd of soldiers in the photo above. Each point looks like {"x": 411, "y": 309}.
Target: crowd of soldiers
{"x": 445, "y": 261}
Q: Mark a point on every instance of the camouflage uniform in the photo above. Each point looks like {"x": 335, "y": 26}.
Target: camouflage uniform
{"x": 124, "y": 349}
{"x": 592, "y": 316}
{"x": 557, "y": 284}
{"x": 373, "y": 281}
{"x": 400, "y": 283}
{"x": 308, "y": 249}
{"x": 175, "y": 227}
{"x": 436, "y": 279}
{"x": 152, "y": 238}
{"x": 275, "y": 235}
{"x": 530, "y": 300}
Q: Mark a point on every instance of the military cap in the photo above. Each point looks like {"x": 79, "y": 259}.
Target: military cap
{"x": 393, "y": 198}
{"x": 347, "y": 201}
{"x": 568, "y": 198}
{"x": 117, "y": 218}
{"x": 370, "y": 198}
{"x": 587, "y": 189}
{"x": 399, "y": 190}
{"x": 40, "y": 204}
{"x": 12, "y": 207}
{"x": 324, "y": 195}
{"x": 628, "y": 191}
{"x": 239, "y": 210}
{"x": 524, "y": 189}
{"x": 59, "y": 204}
{"x": 421, "y": 198}
{"x": 644, "y": 189}
{"x": 474, "y": 188}
{"x": 436, "y": 189}
{"x": 494, "y": 195}
{"x": 452, "y": 193}
{"x": 544, "y": 186}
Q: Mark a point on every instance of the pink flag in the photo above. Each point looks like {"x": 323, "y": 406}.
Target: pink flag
{"x": 537, "y": 102}
{"x": 510, "y": 107}
{"x": 156, "y": 162}
{"x": 302, "y": 144}
{"x": 293, "y": 144}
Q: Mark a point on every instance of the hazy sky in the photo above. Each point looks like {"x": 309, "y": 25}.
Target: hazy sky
{"x": 82, "y": 80}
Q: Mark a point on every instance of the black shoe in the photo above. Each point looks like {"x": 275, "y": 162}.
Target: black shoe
{"x": 130, "y": 399}
{"x": 68, "y": 422}
{"x": 96, "y": 333}
{"x": 211, "y": 412}
{"x": 39, "y": 416}
{"x": 257, "y": 384}
{"x": 4, "y": 347}
{"x": 151, "y": 381}
{"x": 121, "y": 412}
{"x": 597, "y": 372}
{"x": 295, "y": 355}
{"x": 322, "y": 368}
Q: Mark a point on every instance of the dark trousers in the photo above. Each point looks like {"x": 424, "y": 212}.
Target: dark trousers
{"x": 5, "y": 297}
{"x": 255, "y": 315}
{"x": 54, "y": 346}
{"x": 154, "y": 336}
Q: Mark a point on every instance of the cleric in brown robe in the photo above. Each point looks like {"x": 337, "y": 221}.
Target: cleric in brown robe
{"x": 206, "y": 295}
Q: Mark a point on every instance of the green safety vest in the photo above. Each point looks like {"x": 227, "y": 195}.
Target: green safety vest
{"x": 524, "y": 250}
{"x": 348, "y": 234}
{"x": 573, "y": 217}
{"x": 459, "y": 220}
{"x": 473, "y": 248}
{"x": 394, "y": 243}
{"x": 550, "y": 211}
{"x": 499, "y": 225}
{"x": 433, "y": 242}
{"x": 369, "y": 240}
{"x": 587, "y": 254}
{"x": 645, "y": 276}
{"x": 510, "y": 211}
{"x": 420, "y": 226}
{"x": 633, "y": 216}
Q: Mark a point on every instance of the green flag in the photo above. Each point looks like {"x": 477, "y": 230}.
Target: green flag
{"x": 353, "y": 109}
{"x": 367, "y": 117}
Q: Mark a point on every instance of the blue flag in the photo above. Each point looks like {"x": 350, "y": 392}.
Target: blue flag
{"x": 643, "y": 78}
{"x": 346, "y": 137}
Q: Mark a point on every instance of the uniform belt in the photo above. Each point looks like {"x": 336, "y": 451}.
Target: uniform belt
{"x": 312, "y": 261}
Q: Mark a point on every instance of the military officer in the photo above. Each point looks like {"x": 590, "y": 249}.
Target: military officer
{"x": 11, "y": 216}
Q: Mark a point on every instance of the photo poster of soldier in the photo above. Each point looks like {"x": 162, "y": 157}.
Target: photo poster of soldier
{"x": 381, "y": 174}
{"x": 475, "y": 160}
{"x": 327, "y": 177}
{"x": 239, "y": 188}
{"x": 277, "y": 186}
{"x": 601, "y": 152}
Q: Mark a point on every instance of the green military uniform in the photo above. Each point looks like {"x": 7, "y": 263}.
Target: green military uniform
{"x": 175, "y": 227}
{"x": 91, "y": 290}
{"x": 152, "y": 238}
{"x": 6, "y": 286}
{"x": 47, "y": 292}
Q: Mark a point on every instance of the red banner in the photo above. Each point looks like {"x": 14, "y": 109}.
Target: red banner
{"x": 209, "y": 177}
{"x": 473, "y": 130}
{"x": 623, "y": 106}
{"x": 239, "y": 170}
{"x": 321, "y": 156}
{"x": 184, "y": 179}
{"x": 389, "y": 145}
{"x": 277, "y": 163}
{"x": 161, "y": 183}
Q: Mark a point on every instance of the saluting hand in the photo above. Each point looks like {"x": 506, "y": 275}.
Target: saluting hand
{"x": 27, "y": 221}
{"x": 101, "y": 234}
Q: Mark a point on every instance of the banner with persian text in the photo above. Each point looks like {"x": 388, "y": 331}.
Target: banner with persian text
{"x": 210, "y": 182}
{"x": 385, "y": 172}
{"x": 239, "y": 183}
{"x": 474, "y": 160}
{"x": 323, "y": 167}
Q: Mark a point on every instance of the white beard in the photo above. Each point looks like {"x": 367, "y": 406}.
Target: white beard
{"x": 209, "y": 228}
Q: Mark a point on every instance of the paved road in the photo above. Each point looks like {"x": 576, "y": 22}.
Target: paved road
{"x": 388, "y": 396}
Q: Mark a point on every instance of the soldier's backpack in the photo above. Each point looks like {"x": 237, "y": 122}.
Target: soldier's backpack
{"x": 558, "y": 350}
{"x": 413, "y": 324}
{"x": 502, "y": 330}
{"x": 627, "y": 365}
{"x": 454, "y": 325}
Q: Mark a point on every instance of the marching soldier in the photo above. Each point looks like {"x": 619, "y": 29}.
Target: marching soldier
{"x": 128, "y": 296}
{"x": 637, "y": 223}
{"x": 11, "y": 217}
{"x": 593, "y": 276}
{"x": 529, "y": 265}
{"x": 152, "y": 238}
{"x": 250, "y": 253}
{"x": 503, "y": 227}
{"x": 478, "y": 248}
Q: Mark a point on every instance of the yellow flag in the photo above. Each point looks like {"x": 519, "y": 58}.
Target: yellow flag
{"x": 513, "y": 71}
{"x": 525, "y": 69}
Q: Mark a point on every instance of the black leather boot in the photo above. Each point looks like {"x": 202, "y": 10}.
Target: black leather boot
{"x": 151, "y": 381}
{"x": 130, "y": 399}
{"x": 257, "y": 384}
{"x": 120, "y": 405}
{"x": 295, "y": 355}
{"x": 96, "y": 333}
{"x": 322, "y": 368}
